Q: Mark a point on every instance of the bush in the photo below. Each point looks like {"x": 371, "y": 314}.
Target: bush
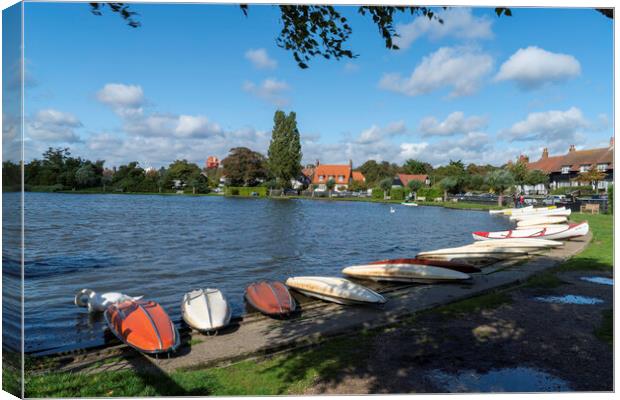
{"x": 377, "y": 193}
{"x": 568, "y": 189}
{"x": 430, "y": 193}
{"x": 397, "y": 193}
{"x": 610, "y": 201}
{"x": 245, "y": 191}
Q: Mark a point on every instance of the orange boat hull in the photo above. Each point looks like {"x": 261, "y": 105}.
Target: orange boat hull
{"x": 143, "y": 325}
{"x": 270, "y": 298}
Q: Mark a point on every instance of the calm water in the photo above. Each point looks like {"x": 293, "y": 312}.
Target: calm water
{"x": 163, "y": 246}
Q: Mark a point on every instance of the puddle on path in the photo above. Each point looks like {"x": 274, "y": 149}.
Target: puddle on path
{"x": 570, "y": 299}
{"x": 519, "y": 379}
{"x": 598, "y": 279}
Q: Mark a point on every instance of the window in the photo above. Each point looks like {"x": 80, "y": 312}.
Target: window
{"x": 602, "y": 167}
{"x": 340, "y": 178}
{"x": 584, "y": 167}
{"x": 321, "y": 178}
{"x": 566, "y": 169}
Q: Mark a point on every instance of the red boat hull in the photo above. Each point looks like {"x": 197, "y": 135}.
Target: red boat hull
{"x": 143, "y": 325}
{"x": 455, "y": 266}
{"x": 270, "y": 298}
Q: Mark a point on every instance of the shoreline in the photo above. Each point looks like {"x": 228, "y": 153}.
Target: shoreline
{"x": 445, "y": 204}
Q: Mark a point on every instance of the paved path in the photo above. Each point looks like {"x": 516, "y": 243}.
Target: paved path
{"x": 257, "y": 335}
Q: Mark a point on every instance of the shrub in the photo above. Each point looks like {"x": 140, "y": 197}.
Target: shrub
{"x": 397, "y": 193}
{"x": 610, "y": 201}
{"x": 430, "y": 193}
{"x": 377, "y": 193}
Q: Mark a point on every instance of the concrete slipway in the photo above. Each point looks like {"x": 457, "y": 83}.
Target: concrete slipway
{"x": 256, "y": 335}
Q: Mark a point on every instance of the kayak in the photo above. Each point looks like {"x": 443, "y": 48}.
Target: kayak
{"x": 409, "y": 204}
{"x": 552, "y": 232}
{"x": 337, "y": 290}
{"x": 558, "y": 212}
{"x": 143, "y": 325}
{"x": 270, "y": 298}
{"x": 404, "y": 273}
{"x": 456, "y": 266}
{"x": 508, "y": 211}
{"x": 542, "y": 243}
{"x": 541, "y": 226}
{"x": 205, "y": 310}
{"x": 473, "y": 250}
{"x": 541, "y": 221}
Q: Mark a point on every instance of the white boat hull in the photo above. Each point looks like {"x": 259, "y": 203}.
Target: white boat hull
{"x": 558, "y": 212}
{"x": 337, "y": 290}
{"x": 206, "y": 310}
{"x": 404, "y": 273}
{"x": 552, "y": 233}
{"x": 509, "y": 211}
{"x": 542, "y": 221}
{"x": 516, "y": 243}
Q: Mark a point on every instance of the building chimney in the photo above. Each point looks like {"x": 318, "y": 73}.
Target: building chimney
{"x": 571, "y": 148}
{"x": 351, "y": 164}
{"x": 524, "y": 158}
{"x": 545, "y": 153}
{"x": 611, "y": 142}
{"x": 317, "y": 162}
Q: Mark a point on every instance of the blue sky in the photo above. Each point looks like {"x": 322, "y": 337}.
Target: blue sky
{"x": 196, "y": 80}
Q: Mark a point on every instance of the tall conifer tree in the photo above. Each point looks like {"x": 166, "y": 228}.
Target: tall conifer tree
{"x": 285, "y": 149}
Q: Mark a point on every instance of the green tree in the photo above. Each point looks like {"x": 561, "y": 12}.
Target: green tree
{"x": 592, "y": 177}
{"x": 519, "y": 171}
{"x": 386, "y": 185}
{"x": 499, "y": 181}
{"x": 412, "y": 166}
{"x": 86, "y": 176}
{"x": 375, "y": 172}
{"x": 244, "y": 167}
{"x": 11, "y": 174}
{"x": 357, "y": 186}
{"x": 536, "y": 177}
{"x": 331, "y": 183}
{"x": 128, "y": 178}
{"x": 285, "y": 149}
{"x": 414, "y": 186}
{"x": 449, "y": 184}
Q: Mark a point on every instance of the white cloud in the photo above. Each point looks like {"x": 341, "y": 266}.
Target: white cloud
{"x": 375, "y": 133}
{"x": 455, "y": 123}
{"x": 260, "y": 59}
{"x": 350, "y": 67}
{"x": 460, "y": 68}
{"x": 270, "y": 90}
{"x": 126, "y": 100}
{"x": 534, "y": 67}
{"x": 548, "y": 126}
{"x": 52, "y": 126}
{"x": 458, "y": 23}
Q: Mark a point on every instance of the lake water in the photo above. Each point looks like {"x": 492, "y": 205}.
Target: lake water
{"x": 163, "y": 246}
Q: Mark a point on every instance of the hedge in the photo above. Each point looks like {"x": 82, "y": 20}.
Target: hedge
{"x": 430, "y": 193}
{"x": 568, "y": 189}
{"x": 610, "y": 200}
{"x": 377, "y": 193}
{"x": 245, "y": 191}
{"x": 397, "y": 193}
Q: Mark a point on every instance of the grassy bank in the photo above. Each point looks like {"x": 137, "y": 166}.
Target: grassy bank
{"x": 294, "y": 373}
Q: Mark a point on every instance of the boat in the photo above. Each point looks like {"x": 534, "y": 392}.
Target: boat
{"x": 404, "y": 273}
{"x": 552, "y": 232}
{"x": 337, "y": 290}
{"x": 409, "y": 204}
{"x": 541, "y": 226}
{"x": 270, "y": 298}
{"x": 143, "y": 325}
{"x": 99, "y": 302}
{"x": 508, "y": 211}
{"x": 205, "y": 310}
{"x": 558, "y": 212}
{"x": 499, "y": 252}
{"x": 541, "y": 221}
{"x": 543, "y": 243}
{"x": 456, "y": 266}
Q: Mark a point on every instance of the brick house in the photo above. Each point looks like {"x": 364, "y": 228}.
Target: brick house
{"x": 342, "y": 175}
{"x": 404, "y": 179}
{"x": 563, "y": 169}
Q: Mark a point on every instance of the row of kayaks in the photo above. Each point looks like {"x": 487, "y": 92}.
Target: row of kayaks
{"x": 145, "y": 325}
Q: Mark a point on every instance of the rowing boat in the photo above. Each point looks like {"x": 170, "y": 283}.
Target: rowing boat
{"x": 552, "y": 232}
{"x": 404, "y": 273}
{"x": 337, "y": 290}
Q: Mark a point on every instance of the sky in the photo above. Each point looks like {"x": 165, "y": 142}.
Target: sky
{"x": 197, "y": 80}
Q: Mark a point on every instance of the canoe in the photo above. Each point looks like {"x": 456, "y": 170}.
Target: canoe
{"x": 337, "y": 290}
{"x": 472, "y": 249}
{"x": 558, "y": 212}
{"x": 409, "y": 204}
{"x": 270, "y": 298}
{"x": 542, "y": 221}
{"x": 529, "y": 210}
{"x": 404, "y": 273}
{"x": 543, "y": 243}
{"x": 206, "y": 310}
{"x": 143, "y": 325}
{"x": 456, "y": 266}
{"x": 553, "y": 233}
{"x": 508, "y": 211}
{"x": 542, "y": 226}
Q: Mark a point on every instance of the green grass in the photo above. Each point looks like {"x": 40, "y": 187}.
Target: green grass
{"x": 599, "y": 254}
{"x": 605, "y": 331}
{"x": 11, "y": 377}
{"x": 285, "y": 374}
{"x": 544, "y": 280}
{"x": 474, "y": 304}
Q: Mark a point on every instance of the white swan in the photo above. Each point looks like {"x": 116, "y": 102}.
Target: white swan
{"x": 392, "y": 210}
{"x": 99, "y": 302}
